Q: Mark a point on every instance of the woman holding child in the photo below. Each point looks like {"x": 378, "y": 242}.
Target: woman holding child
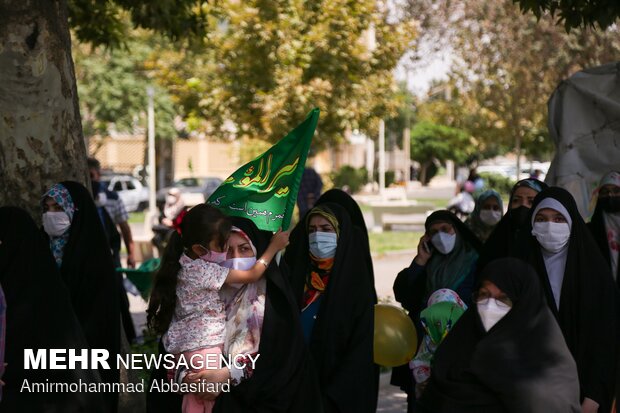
{"x": 250, "y": 315}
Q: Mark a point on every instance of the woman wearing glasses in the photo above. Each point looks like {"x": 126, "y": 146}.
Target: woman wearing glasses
{"x": 506, "y": 353}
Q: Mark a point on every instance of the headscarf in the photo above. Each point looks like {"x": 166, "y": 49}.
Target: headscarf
{"x": 245, "y": 311}
{"x": 507, "y": 239}
{"x": 479, "y": 228}
{"x": 39, "y": 316}
{"x": 520, "y": 365}
{"x": 325, "y": 213}
{"x": 605, "y": 227}
{"x": 342, "y": 336}
{"x": 449, "y": 271}
{"x": 555, "y": 262}
{"x": 531, "y": 183}
{"x": 588, "y": 301}
{"x": 444, "y": 309}
{"x": 61, "y": 195}
{"x": 320, "y": 268}
{"x": 339, "y": 197}
{"x": 446, "y": 295}
{"x": 88, "y": 272}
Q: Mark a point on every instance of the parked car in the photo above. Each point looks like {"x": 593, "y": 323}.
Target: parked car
{"x": 193, "y": 190}
{"x": 134, "y": 195}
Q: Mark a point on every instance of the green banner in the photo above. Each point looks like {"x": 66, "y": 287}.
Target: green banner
{"x": 265, "y": 189}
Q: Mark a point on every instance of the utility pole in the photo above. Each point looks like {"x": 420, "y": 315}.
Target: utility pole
{"x": 151, "y": 161}
{"x": 381, "y": 157}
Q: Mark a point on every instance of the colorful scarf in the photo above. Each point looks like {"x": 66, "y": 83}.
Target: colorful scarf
{"x": 444, "y": 310}
{"x": 531, "y": 183}
{"x": 61, "y": 195}
{"x": 320, "y": 270}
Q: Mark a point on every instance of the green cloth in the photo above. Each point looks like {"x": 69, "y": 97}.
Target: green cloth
{"x": 439, "y": 319}
{"x": 265, "y": 189}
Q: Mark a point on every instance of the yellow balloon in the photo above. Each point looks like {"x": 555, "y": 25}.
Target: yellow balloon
{"x": 395, "y": 340}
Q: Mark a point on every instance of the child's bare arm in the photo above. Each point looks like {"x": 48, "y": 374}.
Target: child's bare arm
{"x": 278, "y": 242}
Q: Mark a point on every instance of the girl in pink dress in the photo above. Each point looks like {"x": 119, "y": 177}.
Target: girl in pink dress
{"x": 185, "y": 306}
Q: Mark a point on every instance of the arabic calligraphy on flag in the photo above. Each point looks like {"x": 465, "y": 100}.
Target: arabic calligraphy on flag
{"x": 265, "y": 189}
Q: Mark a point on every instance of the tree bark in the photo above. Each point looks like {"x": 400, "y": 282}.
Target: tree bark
{"x": 423, "y": 171}
{"x": 41, "y": 139}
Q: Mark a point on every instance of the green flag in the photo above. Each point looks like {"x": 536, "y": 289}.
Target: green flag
{"x": 265, "y": 189}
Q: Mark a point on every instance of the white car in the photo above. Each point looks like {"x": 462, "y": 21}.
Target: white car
{"x": 134, "y": 195}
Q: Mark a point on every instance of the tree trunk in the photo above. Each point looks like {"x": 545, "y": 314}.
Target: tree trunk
{"x": 423, "y": 169}
{"x": 41, "y": 140}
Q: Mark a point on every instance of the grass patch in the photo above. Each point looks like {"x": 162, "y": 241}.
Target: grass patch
{"x": 383, "y": 242}
{"x": 438, "y": 203}
{"x": 137, "y": 217}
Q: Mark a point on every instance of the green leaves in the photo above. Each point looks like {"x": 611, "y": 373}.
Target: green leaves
{"x": 575, "y": 14}
{"x": 433, "y": 141}
{"x": 107, "y": 22}
{"x": 272, "y": 61}
{"x": 112, "y": 91}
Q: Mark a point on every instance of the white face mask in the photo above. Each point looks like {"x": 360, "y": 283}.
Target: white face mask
{"x": 491, "y": 312}
{"x": 323, "y": 244}
{"x": 552, "y": 236}
{"x": 243, "y": 263}
{"x": 56, "y": 223}
{"x": 444, "y": 242}
{"x": 490, "y": 217}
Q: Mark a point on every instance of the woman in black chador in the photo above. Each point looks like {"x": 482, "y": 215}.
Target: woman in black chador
{"x": 39, "y": 316}
{"x": 506, "y": 240}
{"x": 580, "y": 291}
{"x": 84, "y": 258}
{"x": 332, "y": 281}
{"x": 506, "y": 354}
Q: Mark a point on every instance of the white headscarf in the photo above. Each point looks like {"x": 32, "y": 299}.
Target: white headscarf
{"x": 555, "y": 263}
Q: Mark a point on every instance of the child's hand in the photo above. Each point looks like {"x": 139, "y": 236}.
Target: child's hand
{"x": 279, "y": 240}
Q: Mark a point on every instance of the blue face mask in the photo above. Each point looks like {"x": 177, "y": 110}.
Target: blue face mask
{"x": 323, "y": 244}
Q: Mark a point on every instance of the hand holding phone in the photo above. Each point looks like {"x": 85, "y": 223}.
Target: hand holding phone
{"x": 425, "y": 250}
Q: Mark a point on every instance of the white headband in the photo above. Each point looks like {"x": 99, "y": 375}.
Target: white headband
{"x": 553, "y": 203}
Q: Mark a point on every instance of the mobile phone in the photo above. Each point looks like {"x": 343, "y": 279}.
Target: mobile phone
{"x": 428, "y": 247}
